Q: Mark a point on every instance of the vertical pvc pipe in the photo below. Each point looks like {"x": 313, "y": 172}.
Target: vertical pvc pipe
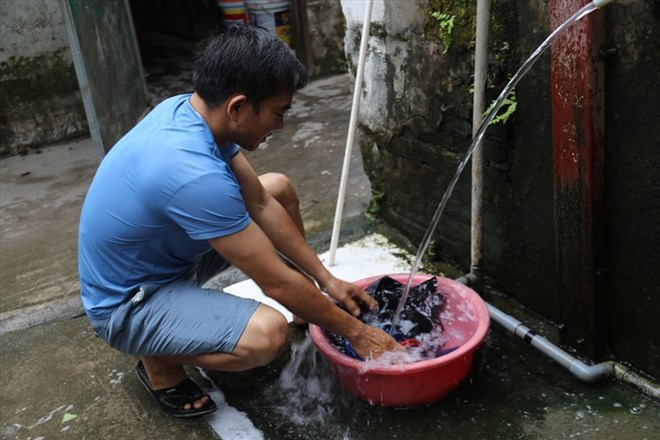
{"x": 478, "y": 108}
{"x": 351, "y": 132}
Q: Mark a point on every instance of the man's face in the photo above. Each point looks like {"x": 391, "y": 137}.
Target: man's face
{"x": 255, "y": 127}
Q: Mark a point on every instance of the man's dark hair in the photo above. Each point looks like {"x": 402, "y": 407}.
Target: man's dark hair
{"x": 247, "y": 60}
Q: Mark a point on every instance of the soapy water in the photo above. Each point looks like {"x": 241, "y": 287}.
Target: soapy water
{"x": 398, "y": 359}
{"x": 419, "y": 328}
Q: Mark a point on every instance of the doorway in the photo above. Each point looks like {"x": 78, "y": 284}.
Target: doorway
{"x": 169, "y": 34}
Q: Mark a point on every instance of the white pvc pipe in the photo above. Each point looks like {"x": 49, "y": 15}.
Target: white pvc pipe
{"x": 478, "y": 108}
{"x": 579, "y": 369}
{"x": 359, "y": 75}
{"x": 587, "y": 373}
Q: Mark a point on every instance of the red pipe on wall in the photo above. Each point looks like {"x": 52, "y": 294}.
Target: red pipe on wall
{"x": 578, "y": 143}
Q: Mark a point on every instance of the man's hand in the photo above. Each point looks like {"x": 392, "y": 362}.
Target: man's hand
{"x": 349, "y": 295}
{"x": 372, "y": 343}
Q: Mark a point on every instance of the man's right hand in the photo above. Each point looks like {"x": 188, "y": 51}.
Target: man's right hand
{"x": 372, "y": 342}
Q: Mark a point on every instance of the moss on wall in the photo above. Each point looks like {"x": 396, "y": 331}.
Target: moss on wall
{"x": 39, "y": 77}
{"x": 420, "y": 141}
{"x": 39, "y": 101}
{"x": 503, "y": 32}
{"x": 464, "y": 13}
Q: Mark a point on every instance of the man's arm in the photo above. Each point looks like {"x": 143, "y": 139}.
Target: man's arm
{"x": 251, "y": 251}
{"x": 283, "y": 233}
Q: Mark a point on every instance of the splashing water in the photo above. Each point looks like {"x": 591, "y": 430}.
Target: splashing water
{"x": 305, "y": 395}
{"x": 586, "y": 10}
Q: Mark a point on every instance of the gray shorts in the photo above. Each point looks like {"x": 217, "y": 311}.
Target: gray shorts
{"x": 179, "y": 318}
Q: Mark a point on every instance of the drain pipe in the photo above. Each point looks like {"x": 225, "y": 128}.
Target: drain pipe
{"x": 478, "y": 110}
{"x": 584, "y": 372}
{"x": 474, "y": 277}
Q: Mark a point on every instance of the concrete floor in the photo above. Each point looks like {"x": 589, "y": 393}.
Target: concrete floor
{"x": 59, "y": 381}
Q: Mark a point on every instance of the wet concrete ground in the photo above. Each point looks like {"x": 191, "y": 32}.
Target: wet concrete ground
{"x": 511, "y": 393}
{"x": 59, "y": 381}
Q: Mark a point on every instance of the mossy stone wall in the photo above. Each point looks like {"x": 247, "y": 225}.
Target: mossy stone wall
{"x": 415, "y": 127}
{"x": 40, "y": 100}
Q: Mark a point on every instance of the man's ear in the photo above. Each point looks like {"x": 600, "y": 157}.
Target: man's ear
{"x": 234, "y": 105}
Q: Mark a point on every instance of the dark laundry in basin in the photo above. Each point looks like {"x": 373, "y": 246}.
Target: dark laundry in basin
{"x": 420, "y": 316}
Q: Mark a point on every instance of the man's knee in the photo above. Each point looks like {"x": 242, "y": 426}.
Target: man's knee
{"x": 264, "y": 337}
{"x": 274, "y": 339}
{"x": 281, "y": 188}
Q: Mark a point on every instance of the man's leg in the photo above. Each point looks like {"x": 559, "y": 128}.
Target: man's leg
{"x": 264, "y": 336}
{"x": 262, "y": 341}
{"x": 280, "y": 187}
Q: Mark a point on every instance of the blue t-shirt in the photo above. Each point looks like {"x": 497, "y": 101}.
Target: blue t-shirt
{"x": 160, "y": 193}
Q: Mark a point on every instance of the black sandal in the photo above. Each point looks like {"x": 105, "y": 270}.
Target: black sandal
{"x": 173, "y": 399}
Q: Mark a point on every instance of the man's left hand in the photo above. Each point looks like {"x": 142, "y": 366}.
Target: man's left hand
{"x": 349, "y": 295}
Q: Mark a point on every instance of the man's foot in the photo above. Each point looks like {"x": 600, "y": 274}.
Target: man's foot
{"x": 186, "y": 399}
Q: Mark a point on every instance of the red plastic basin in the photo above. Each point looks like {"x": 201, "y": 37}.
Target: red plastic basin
{"x": 465, "y": 322}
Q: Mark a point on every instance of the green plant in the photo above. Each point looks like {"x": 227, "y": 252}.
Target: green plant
{"x": 374, "y": 207}
{"x": 342, "y": 65}
{"x": 510, "y": 104}
{"x": 504, "y": 49}
{"x": 446, "y": 23}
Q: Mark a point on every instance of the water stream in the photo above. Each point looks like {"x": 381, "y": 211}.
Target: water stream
{"x": 587, "y": 9}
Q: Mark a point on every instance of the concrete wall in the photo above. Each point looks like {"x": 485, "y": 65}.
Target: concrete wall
{"x": 321, "y": 33}
{"x": 415, "y": 126}
{"x": 415, "y": 118}
{"x": 632, "y": 181}
{"x": 40, "y": 100}
{"x": 39, "y": 97}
